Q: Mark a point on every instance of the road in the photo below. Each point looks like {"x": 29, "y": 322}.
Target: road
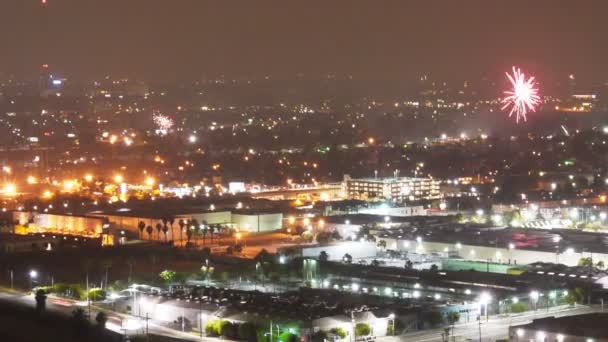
{"x": 493, "y": 329}
{"x": 131, "y": 325}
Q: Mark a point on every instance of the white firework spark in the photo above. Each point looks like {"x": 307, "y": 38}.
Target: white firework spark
{"x": 163, "y": 122}
{"x": 523, "y": 98}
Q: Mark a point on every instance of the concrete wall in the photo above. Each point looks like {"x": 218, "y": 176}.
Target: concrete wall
{"x": 66, "y": 224}
{"x": 213, "y": 217}
{"x": 495, "y": 254}
{"x": 336, "y": 251}
{"x": 258, "y": 223}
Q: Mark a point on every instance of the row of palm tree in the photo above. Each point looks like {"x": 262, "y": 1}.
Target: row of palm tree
{"x": 194, "y": 229}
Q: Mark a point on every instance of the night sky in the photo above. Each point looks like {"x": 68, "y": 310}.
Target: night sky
{"x": 170, "y": 39}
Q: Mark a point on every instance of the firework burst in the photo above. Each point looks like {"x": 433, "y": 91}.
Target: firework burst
{"x": 163, "y": 122}
{"x": 523, "y": 97}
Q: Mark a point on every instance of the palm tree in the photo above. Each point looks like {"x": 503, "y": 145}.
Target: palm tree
{"x": 141, "y": 226}
{"x": 165, "y": 230}
{"x": 106, "y": 264}
{"x": 171, "y": 222}
{"x": 188, "y": 236}
{"x": 205, "y": 231}
{"x": 181, "y": 224}
{"x": 130, "y": 262}
{"x": 159, "y": 227}
{"x": 211, "y": 231}
{"x": 149, "y": 230}
{"x": 196, "y": 226}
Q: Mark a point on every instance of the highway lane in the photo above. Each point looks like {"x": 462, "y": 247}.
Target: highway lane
{"x": 134, "y": 325}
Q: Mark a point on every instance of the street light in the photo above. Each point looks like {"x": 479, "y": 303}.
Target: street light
{"x": 33, "y": 275}
{"x": 391, "y": 317}
{"x": 484, "y": 299}
{"x": 534, "y": 295}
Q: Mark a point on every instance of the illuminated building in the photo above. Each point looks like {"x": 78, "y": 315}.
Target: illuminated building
{"x": 391, "y": 189}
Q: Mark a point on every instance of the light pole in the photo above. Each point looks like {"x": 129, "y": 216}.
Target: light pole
{"x": 534, "y": 295}
{"x": 33, "y": 275}
{"x": 484, "y": 299}
{"x": 391, "y": 317}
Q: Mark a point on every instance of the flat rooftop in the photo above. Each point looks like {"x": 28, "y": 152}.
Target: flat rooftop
{"x": 591, "y": 325}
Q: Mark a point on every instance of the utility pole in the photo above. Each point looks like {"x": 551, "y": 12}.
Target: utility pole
{"x": 147, "y": 331}
{"x": 479, "y": 329}
{"x": 88, "y": 297}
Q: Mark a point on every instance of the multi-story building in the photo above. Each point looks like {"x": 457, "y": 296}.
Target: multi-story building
{"x": 391, "y": 189}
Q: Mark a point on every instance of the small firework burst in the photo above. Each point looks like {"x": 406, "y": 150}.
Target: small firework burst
{"x": 523, "y": 98}
{"x": 163, "y": 122}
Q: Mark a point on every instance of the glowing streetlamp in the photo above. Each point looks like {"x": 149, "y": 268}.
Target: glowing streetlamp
{"x": 534, "y": 296}
{"x": 33, "y": 275}
{"x": 391, "y": 317}
{"x": 485, "y": 299}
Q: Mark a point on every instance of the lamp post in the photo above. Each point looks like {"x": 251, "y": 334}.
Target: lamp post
{"x": 33, "y": 275}
{"x": 534, "y": 295}
{"x": 391, "y": 317}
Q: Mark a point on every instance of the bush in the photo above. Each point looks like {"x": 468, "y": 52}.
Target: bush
{"x": 340, "y": 332}
{"x": 320, "y": 336}
{"x": 518, "y": 307}
{"x": 247, "y": 332}
{"x": 227, "y": 329}
{"x": 70, "y": 290}
{"x": 288, "y": 337}
{"x": 97, "y": 294}
{"x": 212, "y": 328}
{"x": 362, "y": 329}
{"x": 433, "y": 318}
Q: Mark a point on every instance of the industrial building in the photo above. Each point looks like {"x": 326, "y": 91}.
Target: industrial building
{"x": 391, "y": 189}
{"x": 579, "y": 328}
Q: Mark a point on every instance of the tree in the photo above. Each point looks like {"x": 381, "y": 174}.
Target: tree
{"x": 171, "y": 222}
{"x": 205, "y": 231}
{"x": 263, "y": 256}
{"x": 101, "y": 319}
{"x": 206, "y": 253}
{"x": 323, "y": 256}
{"x": 433, "y": 318}
{"x": 453, "y": 317}
{"x": 382, "y": 244}
{"x": 212, "y": 229}
{"x": 141, "y": 226}
{"x": 196, "y": 226}
{"x": 409, "y": 264}
{"x": 434, "y": 268}
{"x": 347, "y": 259}
{"x": 106, "y": 264}
{"x": 362, "y": 329}
{"x": 585, "y": 262}
{"x": 576, "y": 296}
{"x": 165, "y": 231}
{"x": 247, "y": 331}
{"x": 168, "y": 276}
{"x": 227, "y": 329}
{"x": 375, "y": 263}
{"x": 40, "y": 301}
{"x": 188, "y": 236}
{"x": 340, "y": 332}
{"x": 320, "y": 336}
{"x": 181, "y": 223}
{"x": 149, "y": 230}
{"x": 159, "y": 227}
{"x": 130, "y": 262}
